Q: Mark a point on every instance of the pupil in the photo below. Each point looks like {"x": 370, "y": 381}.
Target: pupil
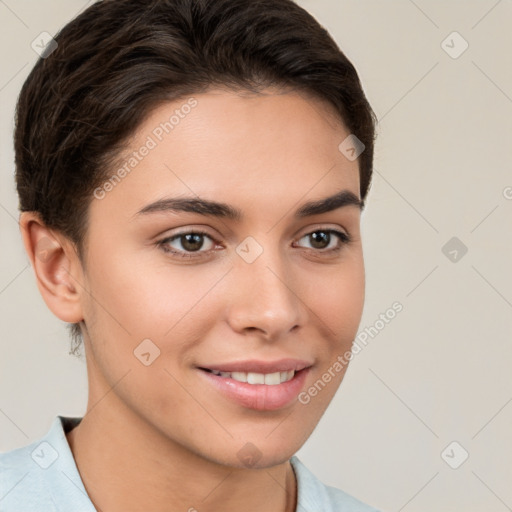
{"x": 193, "y": 241}
{"x": 319, "y": 237}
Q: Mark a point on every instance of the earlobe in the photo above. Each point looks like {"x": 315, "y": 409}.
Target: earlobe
{"x": 56, "y": 266}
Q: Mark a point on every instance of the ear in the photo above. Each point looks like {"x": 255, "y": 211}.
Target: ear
{"x": 56, "y": 265}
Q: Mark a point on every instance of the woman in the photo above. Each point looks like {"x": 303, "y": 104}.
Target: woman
{"x": 191, "y": 176}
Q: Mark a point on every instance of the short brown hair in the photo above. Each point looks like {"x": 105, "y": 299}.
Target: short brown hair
{"x": 120, "y": 59}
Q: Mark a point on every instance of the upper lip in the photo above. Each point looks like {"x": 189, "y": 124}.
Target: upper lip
{"x": 254, "y": 366}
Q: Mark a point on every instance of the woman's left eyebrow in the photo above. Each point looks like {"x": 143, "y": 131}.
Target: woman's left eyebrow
{"x": 217, "y": 209}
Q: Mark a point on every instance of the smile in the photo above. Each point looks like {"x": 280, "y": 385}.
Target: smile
{"x": 270, "y": 379}
{"x": 257, "y": 385}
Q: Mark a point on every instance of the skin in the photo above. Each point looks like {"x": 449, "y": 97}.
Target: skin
{"x": 175, "y": 436}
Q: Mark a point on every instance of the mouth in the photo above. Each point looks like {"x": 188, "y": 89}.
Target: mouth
{"x": 270, "y": 379}
{"x": 259, "y": 385}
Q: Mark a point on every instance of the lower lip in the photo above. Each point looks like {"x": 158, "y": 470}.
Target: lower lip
{"x": 261, "y": 397}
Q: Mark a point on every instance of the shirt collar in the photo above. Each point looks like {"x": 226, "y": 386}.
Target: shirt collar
{"x": 64, "y": 484}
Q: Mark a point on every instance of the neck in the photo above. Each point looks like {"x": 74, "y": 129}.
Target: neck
{"x": 127, "y": 464}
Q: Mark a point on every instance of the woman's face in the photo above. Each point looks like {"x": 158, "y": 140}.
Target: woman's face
{"x": 260, "y": 292}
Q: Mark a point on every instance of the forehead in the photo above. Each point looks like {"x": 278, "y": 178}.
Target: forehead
{"x": 236, "y": 147}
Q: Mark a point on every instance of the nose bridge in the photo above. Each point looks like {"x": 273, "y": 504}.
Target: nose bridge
{"x": 263, "y": 294}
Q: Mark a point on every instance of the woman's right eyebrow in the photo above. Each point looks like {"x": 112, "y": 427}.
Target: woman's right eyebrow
{"x": 208, "y": 207}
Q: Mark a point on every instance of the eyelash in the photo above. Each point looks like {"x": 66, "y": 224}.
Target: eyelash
{"x": 344, "y": 239}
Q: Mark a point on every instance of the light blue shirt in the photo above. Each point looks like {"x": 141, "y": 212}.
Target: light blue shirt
{"x": 43, "y": 477}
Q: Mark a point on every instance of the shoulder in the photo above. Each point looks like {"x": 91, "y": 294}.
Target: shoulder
{"x": 42, "y": 476}
{"x": 314, "y": 495}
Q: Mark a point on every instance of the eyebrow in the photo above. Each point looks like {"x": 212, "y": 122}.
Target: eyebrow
{"x": 216, "y": 209}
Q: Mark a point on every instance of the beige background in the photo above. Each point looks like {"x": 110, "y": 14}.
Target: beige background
{"x": 440, "y": 370}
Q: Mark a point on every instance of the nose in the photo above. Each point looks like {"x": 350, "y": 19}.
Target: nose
{"x": 264, "y": 297}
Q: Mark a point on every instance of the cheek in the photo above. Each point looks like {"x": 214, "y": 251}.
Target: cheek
{"x": 148, "y": 297}
{"x": 338, "y": 300}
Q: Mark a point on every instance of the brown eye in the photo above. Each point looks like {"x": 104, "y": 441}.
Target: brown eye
{"x": 323, "y": 239}
{"x": 320, "y": 239}
{"x": 187, "y": 243}
{"x": 192, "y": 241}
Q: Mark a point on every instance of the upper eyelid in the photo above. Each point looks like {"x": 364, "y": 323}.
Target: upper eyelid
{"x": 214, "y": 239}
{"x": 324, "y": 228}
{"x": 203, "y": 231}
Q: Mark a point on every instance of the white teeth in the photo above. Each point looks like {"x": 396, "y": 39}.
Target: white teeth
{"x": 255, "y": 378}
{"x": 273, "y": 378}
{"x": 270, "y": 379}
{"x": 239, "y": 376}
